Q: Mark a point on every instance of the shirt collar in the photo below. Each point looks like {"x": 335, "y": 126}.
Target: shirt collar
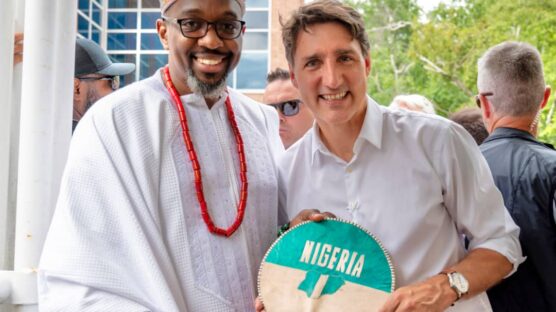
{"x": 502, "y": 132}
{"x": 371, "y": 131}
{"x": 372, "y": 125}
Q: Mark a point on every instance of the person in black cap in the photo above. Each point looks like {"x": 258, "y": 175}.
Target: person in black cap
{"x": 95, "y": 76}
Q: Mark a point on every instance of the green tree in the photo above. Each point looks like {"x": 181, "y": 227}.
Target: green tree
{"x": 389, "y": 24}
{"x": 437, "y": 57}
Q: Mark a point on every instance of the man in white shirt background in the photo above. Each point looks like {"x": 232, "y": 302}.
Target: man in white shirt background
{"x": 295, "y": 117}
{"x": 418, "y": 182}
{"x": 169, "y": 196}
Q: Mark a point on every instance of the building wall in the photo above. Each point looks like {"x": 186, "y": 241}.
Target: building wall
{"x": 282, "y": 8}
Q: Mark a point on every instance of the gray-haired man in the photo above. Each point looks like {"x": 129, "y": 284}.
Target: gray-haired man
{"x": 512, "y": 92}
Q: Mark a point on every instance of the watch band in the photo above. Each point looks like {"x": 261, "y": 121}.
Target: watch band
{"x": 459, "y": 294}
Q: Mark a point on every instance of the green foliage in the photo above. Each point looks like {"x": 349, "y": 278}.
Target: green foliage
{"x": 389, "y": 26}
{"x": 547, "y": 124}
{"x": 437, "y": 57}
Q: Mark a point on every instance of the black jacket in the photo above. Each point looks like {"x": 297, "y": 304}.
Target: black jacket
{"x": 525, "y": 172}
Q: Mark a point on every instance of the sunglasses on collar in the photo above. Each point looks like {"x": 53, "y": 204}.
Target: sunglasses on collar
{"x": 287, "y": 108}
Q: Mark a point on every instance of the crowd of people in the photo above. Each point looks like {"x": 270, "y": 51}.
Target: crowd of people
{"x": 175, "y": 185}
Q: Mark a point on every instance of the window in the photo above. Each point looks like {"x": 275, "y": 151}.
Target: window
{"x": 125, "y": 58}
{"x": 148, "y": 20}
{"x": 83, "y": 6}
{"x": 255, "y": 41}
{"x": 150, "y": 63}
{"x": 122, "y": 4}
{"x": 153, "y": 4}
{"x": 95, "y": 34}
{"x": 250, "y": 74}
{"x": 121, "y": 41}
{"x": 257, "y": 19}
{"x": 89, "y": 19}
{"x": 83, "y": 26}
{"x": 96, "y": 12}
{"x": 251, "y": 71}
{"x": 122, "y": 20}
{"x": 257, "y": 4}
{"x": 151, "y": 42}
{"x": 131, "y": 31}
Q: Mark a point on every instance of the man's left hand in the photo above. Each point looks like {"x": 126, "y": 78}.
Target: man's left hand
{"x": 434, "y": 294}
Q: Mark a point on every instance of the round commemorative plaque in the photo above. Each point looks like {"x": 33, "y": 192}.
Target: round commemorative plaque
{"x": 333, "y": 265}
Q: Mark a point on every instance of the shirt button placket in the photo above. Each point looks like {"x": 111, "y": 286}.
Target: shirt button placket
{"x": 351, "y": 198}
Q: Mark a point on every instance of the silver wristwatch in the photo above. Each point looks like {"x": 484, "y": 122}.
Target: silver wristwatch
{"x": 458, "y": 282}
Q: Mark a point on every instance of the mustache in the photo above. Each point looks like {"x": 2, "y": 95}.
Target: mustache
{"x": 223, "y": 53}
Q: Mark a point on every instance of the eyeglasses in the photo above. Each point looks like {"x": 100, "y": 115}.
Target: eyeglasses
{"x": 195, "y": 28}
{"x": 114, "y": 80}
{"x": 478, "y": 97}
{"x": 287, "y": 108}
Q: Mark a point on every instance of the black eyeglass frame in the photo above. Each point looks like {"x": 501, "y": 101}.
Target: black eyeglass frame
{"x": 295, "y": 103}
{"x": 114, "y": 80}
{"x": 478, "y": 97}
{"x": 206, "y": 27}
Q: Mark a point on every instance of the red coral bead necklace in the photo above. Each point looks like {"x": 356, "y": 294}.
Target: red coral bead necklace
{"x": 197, "y": 168}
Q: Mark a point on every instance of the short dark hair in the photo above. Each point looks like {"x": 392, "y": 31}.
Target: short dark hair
{"x": 319, "y": 12}
{"x": 278, "y": 74}
{"x": 472, "y": 120}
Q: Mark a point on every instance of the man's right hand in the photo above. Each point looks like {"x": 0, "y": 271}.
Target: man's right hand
{"x": 310, "y": 215}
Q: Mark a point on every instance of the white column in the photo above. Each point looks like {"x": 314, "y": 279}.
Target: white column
{"x": 11, "y": 17}
{"x": 7, "y": 16}
{"x": 45, "y": 132}
{"x": 7, "y": 106}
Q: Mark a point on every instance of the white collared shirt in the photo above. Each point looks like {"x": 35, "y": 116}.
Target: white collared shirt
{"x": 418, "y": 182}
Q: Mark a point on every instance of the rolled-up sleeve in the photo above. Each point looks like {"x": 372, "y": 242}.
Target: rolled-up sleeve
{"x": 474, "y": 201}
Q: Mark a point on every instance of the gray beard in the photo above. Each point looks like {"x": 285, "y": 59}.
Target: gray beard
{"x": 92, "y": 98}
{"x": 211, "y": 91}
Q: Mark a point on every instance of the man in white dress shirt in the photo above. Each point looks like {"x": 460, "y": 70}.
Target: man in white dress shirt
{"x": 418, "y": 182}
{"x": 157, "y": 215}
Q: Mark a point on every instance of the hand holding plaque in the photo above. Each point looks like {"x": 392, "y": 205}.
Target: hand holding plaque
{"x": 325, "y": 266}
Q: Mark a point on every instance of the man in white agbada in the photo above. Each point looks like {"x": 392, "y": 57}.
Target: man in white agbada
{"x": 416, "y": 181}
{"x": 128, "y": 233}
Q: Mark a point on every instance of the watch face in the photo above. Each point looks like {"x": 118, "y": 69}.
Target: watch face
{"x": 460, "y": 282}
